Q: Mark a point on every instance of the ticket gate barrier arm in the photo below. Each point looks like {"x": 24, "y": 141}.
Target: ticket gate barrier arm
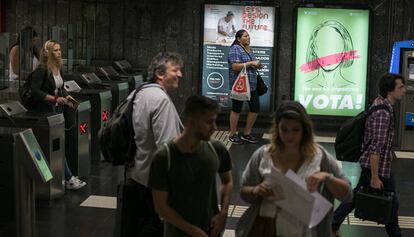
{"x": 50, "y": 133}
{"x": 27, "y": 163}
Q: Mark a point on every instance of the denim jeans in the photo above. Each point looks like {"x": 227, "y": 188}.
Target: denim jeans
{"x": 68, "y": 173}
{"x": 393, "y": 228}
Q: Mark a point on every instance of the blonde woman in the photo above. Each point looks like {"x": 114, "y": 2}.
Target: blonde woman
{"x": 49, "y": 94}
{"x": 292, "y": 147}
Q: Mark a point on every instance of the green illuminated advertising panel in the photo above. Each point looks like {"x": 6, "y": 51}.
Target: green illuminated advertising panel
{"x": 331, "y": 60}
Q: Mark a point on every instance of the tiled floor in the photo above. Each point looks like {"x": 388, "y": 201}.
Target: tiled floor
{"x": 91, "y": 210}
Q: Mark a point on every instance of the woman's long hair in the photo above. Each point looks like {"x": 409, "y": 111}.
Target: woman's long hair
{"x": 35, "y": 51}
{"x": 47, "y": 58}
{"x": 295, "y": 111}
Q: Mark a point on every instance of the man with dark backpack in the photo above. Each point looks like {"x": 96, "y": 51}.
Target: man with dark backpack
{"x": 377, "y": 152}
{"x": 154, "y": 122}
{"x": 350, "y": 137}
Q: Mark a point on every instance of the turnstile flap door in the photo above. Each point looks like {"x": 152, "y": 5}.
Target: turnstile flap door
{"x": 72, "y": 86}
{"x": 91, "y": 78}
{"x": 109, "y": 70}
{"x": 34, "y": 161}
{"x": 11, "y": 108}
{"x": 124, "y": 64}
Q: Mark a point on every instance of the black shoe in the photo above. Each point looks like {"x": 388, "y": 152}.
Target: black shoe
{"x": 249, "y": 138}
{"x": 235, "y": 139}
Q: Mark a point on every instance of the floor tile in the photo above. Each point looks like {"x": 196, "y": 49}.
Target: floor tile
{"x": 99, "y": 202}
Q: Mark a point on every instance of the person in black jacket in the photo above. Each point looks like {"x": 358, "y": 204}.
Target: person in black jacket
{"x": 50, "y": 96}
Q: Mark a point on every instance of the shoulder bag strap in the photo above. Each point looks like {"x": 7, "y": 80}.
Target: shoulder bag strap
{"x": 167, "y": 147}
{"x": 213, "y": 149}
{"x": 251, "y": 59}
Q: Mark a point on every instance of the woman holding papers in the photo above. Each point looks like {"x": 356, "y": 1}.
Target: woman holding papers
{"x": 49, "y": 95}
{"x": 284, "y": 176}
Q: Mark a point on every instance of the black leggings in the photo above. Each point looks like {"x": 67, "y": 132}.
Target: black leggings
{"x": 254, "y": 103}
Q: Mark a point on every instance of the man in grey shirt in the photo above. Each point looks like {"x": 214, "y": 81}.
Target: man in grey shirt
{"x": 155, "y": 121}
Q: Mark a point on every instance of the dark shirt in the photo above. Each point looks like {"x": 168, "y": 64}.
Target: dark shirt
{"x": 190, "y": 182}
{"x": 378, "y": 137}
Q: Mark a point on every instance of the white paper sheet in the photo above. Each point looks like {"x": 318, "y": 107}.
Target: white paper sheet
{"x": 309, "y": 208}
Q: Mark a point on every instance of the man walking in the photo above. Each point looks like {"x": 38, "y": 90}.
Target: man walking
{"x": 376, "y": 159}
{"x": 183, "y": 175}
{"x": 155, "y": 121}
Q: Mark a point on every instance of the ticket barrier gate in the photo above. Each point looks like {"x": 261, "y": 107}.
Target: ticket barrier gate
{"x": 126, "y": 68}
{"x": 21, "y": 163}
{"x": 49, "y": 130}
{"x": 118, "y": 89}
{"x": 109, "y": 73}
{"x": 101, "y": 102}
{"x": 78, "y": 139}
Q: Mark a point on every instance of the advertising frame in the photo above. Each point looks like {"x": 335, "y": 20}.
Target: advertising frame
{"x": 275, "y": 49}
{"x": 368, "y": 50}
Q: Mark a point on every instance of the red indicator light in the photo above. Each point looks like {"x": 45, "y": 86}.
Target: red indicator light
{"x": 83, "y": 128}
{"x": 105, "y": 115}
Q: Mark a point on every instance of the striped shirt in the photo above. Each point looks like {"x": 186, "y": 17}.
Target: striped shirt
{"x": 378, "y": 137}
{"x": 238, "y": 55}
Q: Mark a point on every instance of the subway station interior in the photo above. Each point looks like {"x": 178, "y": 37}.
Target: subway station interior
{"x": 106, "y": 48}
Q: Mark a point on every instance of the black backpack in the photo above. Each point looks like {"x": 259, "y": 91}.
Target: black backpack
{"x": 350, "y": 137}
{"x": 116, "y": 138}
{"x": 25, "y": 92}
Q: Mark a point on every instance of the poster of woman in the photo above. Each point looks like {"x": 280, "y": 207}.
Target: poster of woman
{"x": 331, "y": 60}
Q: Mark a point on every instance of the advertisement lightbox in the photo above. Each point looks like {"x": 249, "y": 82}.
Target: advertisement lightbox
{"x": 221, "y": 22}
{"x": 331, "y": 56}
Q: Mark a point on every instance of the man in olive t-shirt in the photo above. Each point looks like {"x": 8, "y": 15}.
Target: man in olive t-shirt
{"x": 183, "y": 182}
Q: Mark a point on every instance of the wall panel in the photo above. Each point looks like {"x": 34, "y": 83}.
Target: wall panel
{"x": 137, "y": 30}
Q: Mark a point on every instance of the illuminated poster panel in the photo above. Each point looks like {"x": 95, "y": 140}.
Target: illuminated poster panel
{"x": 331, "y": 60}
{"x": 259, "y": 21}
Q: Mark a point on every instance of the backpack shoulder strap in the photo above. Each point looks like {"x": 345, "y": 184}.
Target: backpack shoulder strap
{"x": 142, "y": 86}
{"x": 378, "y": 107}
{"x": 213, "y": 149}
{"x": 167, "y": 147}
{"x": 131, "y": 104}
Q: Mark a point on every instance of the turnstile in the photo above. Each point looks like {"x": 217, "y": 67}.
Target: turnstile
{"x": 101, "y": 101}
{"x": 109, "y": 73}
{"x": 49, "y": 130}
{"x": 118, "y": 89}
{"x": 21, "y": 162}
{"x": 126, "y": 68}
{"x": 78, "y": 139}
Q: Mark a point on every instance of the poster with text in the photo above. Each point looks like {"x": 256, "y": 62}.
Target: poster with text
{"x": 221, "y": 22}
{"x": 331, "y": 60}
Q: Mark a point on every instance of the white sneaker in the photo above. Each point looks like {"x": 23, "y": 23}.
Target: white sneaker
{"x": 74, "y": 183}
